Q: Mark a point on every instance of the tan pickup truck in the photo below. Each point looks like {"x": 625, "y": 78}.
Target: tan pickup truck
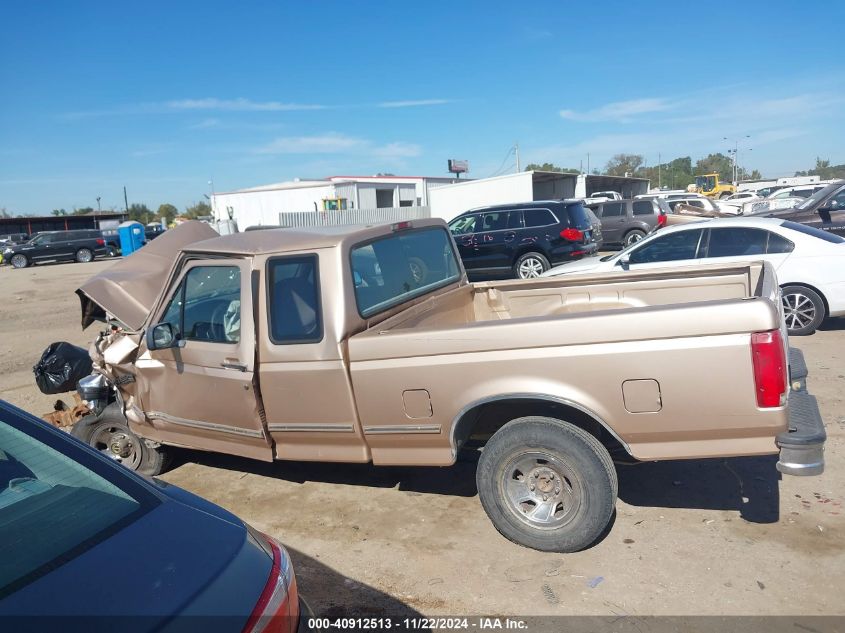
{"x": 368, "y": 344}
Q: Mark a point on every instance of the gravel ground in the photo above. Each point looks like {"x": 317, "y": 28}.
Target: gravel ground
{"x": 693, "y": 537}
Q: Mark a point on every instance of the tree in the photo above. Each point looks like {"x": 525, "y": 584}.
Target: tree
{"x": 59, "y": 212}
{"x": 4, "y": 213}
{"x": 197, "y": 210}
{"x": 167, "y": 212}
{"x": 716, "y": 163}
{"x": 83, "y": 211}
{"x": 140, "y": 213}
{"x": 551, "y": 167}
{"x": 824, "y": 170}
{"x": 622, "y": 164}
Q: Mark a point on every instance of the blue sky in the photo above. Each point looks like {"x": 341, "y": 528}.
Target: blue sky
{"x": 163, "y": 97}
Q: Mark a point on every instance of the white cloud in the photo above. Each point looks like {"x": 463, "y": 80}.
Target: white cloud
{"x": 239, "y": 105}
{"x": 622, "y": 111}
{"x": 336, "y": 143}
{"x": 204, "y": 124}
{"x": 397, "y": 150}
{"x": 412, "y": 103}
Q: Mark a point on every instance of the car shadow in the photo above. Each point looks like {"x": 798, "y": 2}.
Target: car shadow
{"x": 330, "y": 594}
{"x": 746, "y": 484}
{"x": 457, "y": 480}
{"x": 833, "y": 324}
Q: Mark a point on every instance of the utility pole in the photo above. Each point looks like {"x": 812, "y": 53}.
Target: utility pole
{"x": 588, "y": 162}
{"x": 734, "y": 152}
{"x": 125, "y": 199}
{"x": 658, "y": 170}
{"x": 99, "y": 210}
{"x": 516, "y": 150}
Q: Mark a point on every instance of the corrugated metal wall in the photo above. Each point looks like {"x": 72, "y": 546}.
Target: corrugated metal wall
{"x": 353, "y": 216}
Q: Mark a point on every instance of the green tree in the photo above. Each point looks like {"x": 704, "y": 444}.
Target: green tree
{"x": 59, "y": 212}
{"x": 197, "y": 210}
{"x": 83, "y": 211}
{"x": 622, "y": 164}
{"x": 716, "y": 163}
{"x": 551, "y": 167}
{"x": 824, "y": 170}
{"x": 140, "y": 213}
{"x": 167, "y": 212}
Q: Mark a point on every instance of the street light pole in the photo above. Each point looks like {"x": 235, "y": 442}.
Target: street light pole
{"x": 734, "y": 152}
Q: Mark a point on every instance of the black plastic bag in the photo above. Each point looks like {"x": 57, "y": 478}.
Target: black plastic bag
{"x": 60, "y": 367}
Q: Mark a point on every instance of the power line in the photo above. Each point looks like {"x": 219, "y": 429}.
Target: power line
{"x": 501, "y": 167}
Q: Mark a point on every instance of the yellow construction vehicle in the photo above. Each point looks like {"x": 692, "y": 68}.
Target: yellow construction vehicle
{"x": 709, "y": 185}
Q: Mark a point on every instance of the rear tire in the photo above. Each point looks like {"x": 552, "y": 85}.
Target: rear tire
{"x": 109, "y": 433}
{"x": 803, "y": 310}
{"x": 84, "y": 255}
{"x": 19, "y": 261}
{"x": 547, "y": 484}
{"x": 530, "y": 266}
{"x": 632, "y": 237}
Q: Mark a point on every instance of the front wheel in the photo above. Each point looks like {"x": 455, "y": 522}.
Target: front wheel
{"x": 547, "y": 484}
{"x": 632, "y": 237}
{"x": 19, "y": 261}
{"x": 530, "y": 266}
{"x": 109, "y": 433}
{"x": 803, "y": 310}
{"x": 84, "y": 255}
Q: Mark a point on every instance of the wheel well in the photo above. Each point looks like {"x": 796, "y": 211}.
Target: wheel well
{"x": 476, "y": 425}
{"x": 814, "y": 289}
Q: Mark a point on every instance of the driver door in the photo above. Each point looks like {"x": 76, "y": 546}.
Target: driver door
{"x": 201, "y": 393}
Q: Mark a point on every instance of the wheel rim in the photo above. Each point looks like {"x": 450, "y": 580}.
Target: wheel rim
{"x": 530, "y": 267}
{"x": 118, "y": 443}
{"x": 84, "y": 256}
{"x": 18, "y": 261}
{"x": 798, "y": 311}
{"x": 632, "y": 238}
{"x": 541, "y": 490}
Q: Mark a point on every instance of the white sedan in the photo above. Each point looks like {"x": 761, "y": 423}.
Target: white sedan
{"x": 810, "y": 263}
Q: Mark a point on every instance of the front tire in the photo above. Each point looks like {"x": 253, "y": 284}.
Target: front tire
{"x": 530, "y": 266}
{"x": 547, "y": 484}
{"x": 109, "y": 433}
{"x": 19, "y": 261}
{"x": 84, "y": 255}
{"x": 634, "y": 236}
{"x": 803, "y": 310}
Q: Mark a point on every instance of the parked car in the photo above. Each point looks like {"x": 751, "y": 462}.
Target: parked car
{"x": 606, "y": 195}
{"x": 628, "y": 221}
{"x": 703, "y": 202}
{"x": 742, "y": 195}
{"x": 81, "y": 245}
{"x": 799, "y": 191}
{"x": 824, "y": 210}
{"x": 810, "y": 264}
{"x": 152, "y": 231}
{"x": 370, "y": 345}
{"x": 85, "y": 541}
{"x": 13, "y": 238}
{"x": 524, "y": 239}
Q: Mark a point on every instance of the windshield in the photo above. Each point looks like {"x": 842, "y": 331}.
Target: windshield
{"x": 820, "y": 195}
{"x": 53, "y": 505}
{"x": 705, "y": 183}
{"x": 401, "y": 266}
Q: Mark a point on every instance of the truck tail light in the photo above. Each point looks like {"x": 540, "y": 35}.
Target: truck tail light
{"x": 572, "y": 235}
{"x": 101, "y": 241}
{"x": 769, "y": 362}
{"x": 401, "y": 226}
{"x": 661, "y": 220}
{"x": 277, "y": 609}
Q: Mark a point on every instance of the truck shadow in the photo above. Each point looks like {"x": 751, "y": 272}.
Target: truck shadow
{"x": 332, "y": 595}
{"x": 746, "y": 484}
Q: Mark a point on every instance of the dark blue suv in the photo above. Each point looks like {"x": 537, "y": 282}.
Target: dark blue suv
{"x": 525, "y": 239}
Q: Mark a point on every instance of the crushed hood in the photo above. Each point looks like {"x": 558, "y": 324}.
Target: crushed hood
{"x": 129, "y": 289}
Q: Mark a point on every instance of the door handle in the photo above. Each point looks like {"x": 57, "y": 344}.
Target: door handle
{"x": 237, "y": 366}
{"x": 510, "y": 236}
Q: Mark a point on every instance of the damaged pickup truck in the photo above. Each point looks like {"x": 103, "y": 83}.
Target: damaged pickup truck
{"x": 368, "y": 344}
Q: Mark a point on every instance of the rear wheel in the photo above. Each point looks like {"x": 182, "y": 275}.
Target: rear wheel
{"x": 19, "y": 261}
{"x": 631, "y": 237}
{"x": 547, "y": 484}
{"x": 84, "y": 255}
{"x": 803, "y": 310}
{"x": 530, "y": 266}
{"x": 109, "y": 433}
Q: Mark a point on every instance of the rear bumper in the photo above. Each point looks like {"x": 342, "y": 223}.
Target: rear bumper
{"x": 802, "y": 445}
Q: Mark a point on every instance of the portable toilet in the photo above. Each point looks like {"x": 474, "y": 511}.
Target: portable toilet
{"x": 131, "y": 236}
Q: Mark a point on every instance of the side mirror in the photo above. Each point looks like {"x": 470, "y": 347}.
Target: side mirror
{"x": 162, "y": 336}
{"x": 624, "y": 262}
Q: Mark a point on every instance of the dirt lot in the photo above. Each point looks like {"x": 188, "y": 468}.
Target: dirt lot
{"x": 706, "y": 537}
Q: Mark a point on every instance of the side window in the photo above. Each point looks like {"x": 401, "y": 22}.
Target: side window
{"x": 611, "y": 209}
{"x": 538, "y": 217}
{"x": 644, "y": 207}
{"x": 778, "y": 244}
{"x": 207, "y": 305}
{"x": 463, "y": 225}
{"x": 735, "y": 242}
{"x": 294, "y": 298}
{"x": 495, "y": 221}
{"x": 668, "y": 247}
{"x": 515, "y": 220}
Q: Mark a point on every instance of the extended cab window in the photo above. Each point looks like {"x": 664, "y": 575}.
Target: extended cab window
{"x": 668, "y": 247}
{"x": 294, "y": 300}
{"x": 207, "y": 305}
{"x": 401, "y": 266}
